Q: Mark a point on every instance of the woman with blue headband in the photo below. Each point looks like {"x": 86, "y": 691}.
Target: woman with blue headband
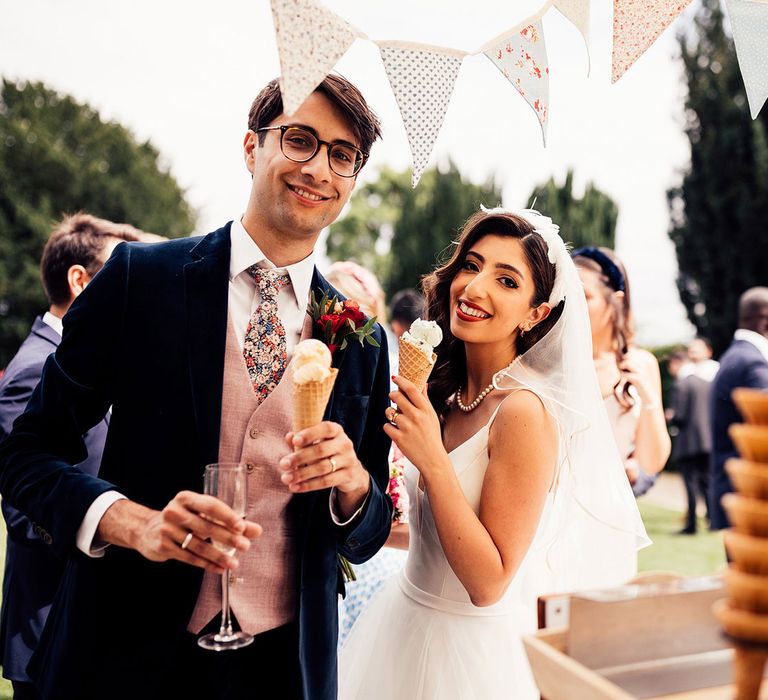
{"x": 629, "y": 377}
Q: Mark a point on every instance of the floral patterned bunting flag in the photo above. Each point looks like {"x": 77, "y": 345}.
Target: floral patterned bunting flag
{"x": 310, "y": 41}
{"x": 522, "y": 58}
{"x": 422, "y": 78}
{"x": 749, "y": 22}
{"x": 636, "y": 25}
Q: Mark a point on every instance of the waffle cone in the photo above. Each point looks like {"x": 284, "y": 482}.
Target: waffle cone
{"x": 414, "y": 365}
{"x": 748, "y": 667}
{"x": 310, "y": 400}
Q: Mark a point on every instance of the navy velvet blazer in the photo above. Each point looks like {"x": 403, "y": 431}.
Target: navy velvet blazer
{"x": 742, "y": 364}
{"x": 32, "y": 571}
{"x": 147, "y": 337}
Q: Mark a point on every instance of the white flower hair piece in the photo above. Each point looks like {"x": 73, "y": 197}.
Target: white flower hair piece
{"x": 557, "y": 251}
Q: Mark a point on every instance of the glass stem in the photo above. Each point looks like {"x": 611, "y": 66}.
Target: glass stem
{"x": 226, "y": 621}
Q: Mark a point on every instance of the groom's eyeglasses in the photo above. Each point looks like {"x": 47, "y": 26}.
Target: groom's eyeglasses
{"x": 300, "y": 146}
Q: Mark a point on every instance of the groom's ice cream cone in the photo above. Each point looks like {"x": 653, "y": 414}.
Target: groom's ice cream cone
{"x": 312, "y": 382}
{"x": 417, "y": 357}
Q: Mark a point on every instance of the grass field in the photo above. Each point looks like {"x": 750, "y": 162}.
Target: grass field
{"x": 690, "y": 555}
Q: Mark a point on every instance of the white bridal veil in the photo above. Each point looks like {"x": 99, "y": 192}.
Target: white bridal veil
{"x": 596, "y": 528}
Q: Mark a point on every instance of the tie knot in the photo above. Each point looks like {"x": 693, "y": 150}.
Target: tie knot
{"x": 269, "y": 280}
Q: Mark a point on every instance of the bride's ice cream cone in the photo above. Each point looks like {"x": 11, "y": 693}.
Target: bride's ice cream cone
{"x": 417, "y": 357}
{"x": 312, "y": 382}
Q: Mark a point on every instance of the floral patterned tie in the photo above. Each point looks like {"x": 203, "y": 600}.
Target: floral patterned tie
{"x": 264, "y": 348}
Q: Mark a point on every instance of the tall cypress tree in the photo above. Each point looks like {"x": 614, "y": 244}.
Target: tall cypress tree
{"x": 719, "y": 213}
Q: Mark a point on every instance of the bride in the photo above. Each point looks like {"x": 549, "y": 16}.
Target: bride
{"x": 515, "y": 483}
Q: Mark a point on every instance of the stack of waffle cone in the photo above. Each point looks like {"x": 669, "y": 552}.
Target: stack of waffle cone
{"x": 414, "y": 365}
{"x": 744, "y": 614}
{"x": 310, "y": 400}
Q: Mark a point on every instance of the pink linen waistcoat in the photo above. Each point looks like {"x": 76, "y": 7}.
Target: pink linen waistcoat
{"x": 262, "y": 592}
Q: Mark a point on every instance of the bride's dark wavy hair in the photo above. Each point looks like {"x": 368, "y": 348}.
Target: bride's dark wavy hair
{"x": 451, "y": 364}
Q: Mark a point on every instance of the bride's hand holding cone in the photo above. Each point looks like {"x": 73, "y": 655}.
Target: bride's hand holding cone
{"x": 414, "y": 426}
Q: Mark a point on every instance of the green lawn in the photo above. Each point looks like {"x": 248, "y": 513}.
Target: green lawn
{"x": 690, "y": 555}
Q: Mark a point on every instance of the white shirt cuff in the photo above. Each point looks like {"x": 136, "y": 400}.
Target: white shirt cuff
{"x": 332, "y": 507}
{"x": 93, "y": 516}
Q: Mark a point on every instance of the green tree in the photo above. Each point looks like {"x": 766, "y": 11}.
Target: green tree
{"x": 719, "y": 211}
{"x": 590, "y": 220}
{"x": 57, "y": 156}
{"x": 398, "y": 232}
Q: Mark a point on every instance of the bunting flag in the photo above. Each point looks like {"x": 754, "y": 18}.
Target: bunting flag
{"x": 636, "y": 25}
{"x": 749, "y": 22}
{"x": 422, "y": 78}
{"x": 522, "y": 58}
{"x": 310, "y": 41}
{"x": 577, "y": 12}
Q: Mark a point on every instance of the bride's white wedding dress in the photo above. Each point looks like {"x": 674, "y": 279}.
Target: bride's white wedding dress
{"x": 421, "y": 637}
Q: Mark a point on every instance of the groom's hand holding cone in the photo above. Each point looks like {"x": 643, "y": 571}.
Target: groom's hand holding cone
{"x": 323, "y": 456}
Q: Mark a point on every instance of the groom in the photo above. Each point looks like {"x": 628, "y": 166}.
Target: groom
{"x": 161, "y": 335}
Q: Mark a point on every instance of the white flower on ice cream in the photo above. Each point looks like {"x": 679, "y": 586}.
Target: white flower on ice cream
{"x": 425, "y": 335}
{"x": 311, "y": 362}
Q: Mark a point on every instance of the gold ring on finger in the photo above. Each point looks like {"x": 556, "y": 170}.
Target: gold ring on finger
{"x": 333, "y": 464}
{"x": 187, "y": 540}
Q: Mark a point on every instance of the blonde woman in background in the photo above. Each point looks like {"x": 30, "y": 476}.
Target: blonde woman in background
{"x": 629, "y": 377}
{"x": 355, "y": 282}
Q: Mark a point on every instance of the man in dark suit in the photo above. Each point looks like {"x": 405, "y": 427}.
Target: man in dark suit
{"x": 76, "y": 250}
{"x": 744, "y": 364}
{"x": 154, "y": 336}
{"x": 691, "y": 447}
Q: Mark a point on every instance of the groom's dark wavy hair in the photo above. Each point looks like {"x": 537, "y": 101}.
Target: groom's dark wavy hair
{"x": 268, "y": 106}
{"x": 451, "y": 365}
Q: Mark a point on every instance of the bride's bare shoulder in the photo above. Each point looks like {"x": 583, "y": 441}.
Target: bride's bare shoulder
{"x": 521, "y": 411}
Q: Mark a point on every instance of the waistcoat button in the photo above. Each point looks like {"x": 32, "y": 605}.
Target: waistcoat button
{"x": 254, "y": 433}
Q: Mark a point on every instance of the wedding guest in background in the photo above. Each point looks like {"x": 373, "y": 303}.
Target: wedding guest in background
{"x": 355, "y": 282}
{"x": 190, "y": 343}
{"x": 406, "y": 306}
{"x": 688, "y": 415}
{"x": 700, "y": 360}
{"x": 744, "y": 364}
{"x": 629, "y": 376}
{"x": 76, "y": 250}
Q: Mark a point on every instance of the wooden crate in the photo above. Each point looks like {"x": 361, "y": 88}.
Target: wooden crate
{"x": 652, "y": 642}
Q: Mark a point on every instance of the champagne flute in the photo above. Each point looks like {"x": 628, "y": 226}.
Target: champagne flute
{"x": 228, "y": 483}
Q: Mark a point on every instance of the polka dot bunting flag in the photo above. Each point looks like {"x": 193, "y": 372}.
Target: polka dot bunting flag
{"x": 310, "y": 41}
{"x": 636, "y": 25}
{"x": 422, "y": 79}
{"x": 522, "y": 58}
{"x": 749, "y": 22}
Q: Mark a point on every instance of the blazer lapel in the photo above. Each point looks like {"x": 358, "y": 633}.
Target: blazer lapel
{"x": 41, "y": 329}
{"x": 206, "y": 285}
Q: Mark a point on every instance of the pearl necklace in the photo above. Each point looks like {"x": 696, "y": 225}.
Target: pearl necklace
{"x": 480, "y": 396}
{"x": 476, "y": 402}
